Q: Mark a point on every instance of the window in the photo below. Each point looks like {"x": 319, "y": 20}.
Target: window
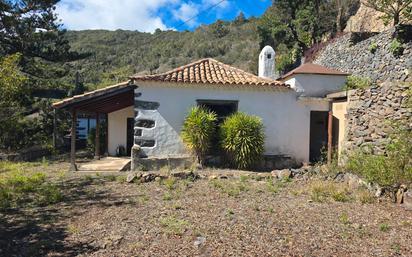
{"x": 145, "y": 123}
{"x": 145, "y": 142}
{"x": 222, "y": 108}
{"x": 269, "y": 56}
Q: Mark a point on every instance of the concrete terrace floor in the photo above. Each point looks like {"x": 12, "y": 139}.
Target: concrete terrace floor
{"x": 106, "y": 164}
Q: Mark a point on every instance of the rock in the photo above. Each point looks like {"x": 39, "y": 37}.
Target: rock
{"x": 400, "y": 194}
{"x": 199, "y": 241}
{"x": 379, "y": 192}
{"x": 183, "y": 174}
{"x": 407, "y": 200}
{"x": 131, "y": 177}
{"x": 157, "y": 179}
{"x": 282, "y": 174}
{"x": 211, "y": 177}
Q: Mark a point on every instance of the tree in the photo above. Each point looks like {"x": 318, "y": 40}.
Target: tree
{"x": 393, "y": 10}
{"x": 240, "y": 19}
{"x": 30, "y": 27}
{"x": 219, "y": 29}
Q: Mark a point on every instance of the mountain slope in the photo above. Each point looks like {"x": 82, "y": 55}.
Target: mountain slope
{"x": 115, "y": 55}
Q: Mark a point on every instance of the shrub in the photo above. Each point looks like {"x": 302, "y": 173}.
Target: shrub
{"x": 198, "y": 131}
{"x": 395, "y": 167}
{"x": 396, "y": 47}
{"x": 373, "y": 47}
{"x": 355, "y": 82}
{"x": 242, "y": 140}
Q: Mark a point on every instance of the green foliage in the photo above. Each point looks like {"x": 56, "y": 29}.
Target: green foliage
{"x": 198, "y": 131}
{"x": 91, "y": 139}
{"x": 115, "y": 55}
{"x": 173, "y": 225}
{"x": 219, "y": 29}
{"x": 242, "y": 140}
{"x": 384, "y": 227}
{"x": 396, "y": 47}
{"x": 373, "y": 47}
{"x": 355, "y": 82}
{"x": 392, "y": 168}
{"x": 19, "y": 188}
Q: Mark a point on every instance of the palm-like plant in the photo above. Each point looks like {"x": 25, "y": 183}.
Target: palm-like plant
{"x": 198, "y": 131}
{"x": 242, "y": 139}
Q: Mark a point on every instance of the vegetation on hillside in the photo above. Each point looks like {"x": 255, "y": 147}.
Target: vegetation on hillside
{"x": 115, "y": 55}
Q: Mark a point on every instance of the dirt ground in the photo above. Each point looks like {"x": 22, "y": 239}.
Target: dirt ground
{"x": 105, "y": 216}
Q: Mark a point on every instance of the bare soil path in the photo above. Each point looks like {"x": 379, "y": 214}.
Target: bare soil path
{"x": 103, "y": 216}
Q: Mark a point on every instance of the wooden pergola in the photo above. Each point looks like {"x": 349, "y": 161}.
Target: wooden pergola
{"x": 101, "y": 101}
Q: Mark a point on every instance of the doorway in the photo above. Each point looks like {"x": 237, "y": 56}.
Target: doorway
{"x": 318, "y": 135}
{"x": 130, "y": 136}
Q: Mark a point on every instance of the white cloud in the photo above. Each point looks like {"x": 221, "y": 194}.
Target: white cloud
{"x": 105, "y": 14}
{"x": 189, "y": 10}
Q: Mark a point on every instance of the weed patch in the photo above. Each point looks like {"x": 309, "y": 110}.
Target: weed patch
{"x": 174, "y": 226}
{"x": 19, "y": 188}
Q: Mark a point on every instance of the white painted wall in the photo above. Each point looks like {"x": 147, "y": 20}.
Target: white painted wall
{"x": 316, "y": 85}
{"x": 286, "y": 119}
{"x": 117, "y": 128}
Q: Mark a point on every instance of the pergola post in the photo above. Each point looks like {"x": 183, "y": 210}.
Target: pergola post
{"x": 73, "y": 166}
{"x": 97, "y": 138}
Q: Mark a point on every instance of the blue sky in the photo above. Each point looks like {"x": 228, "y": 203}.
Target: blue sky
{"x": 147, "y": 15}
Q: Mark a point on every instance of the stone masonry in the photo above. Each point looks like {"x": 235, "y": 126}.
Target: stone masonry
{"x": 359, "y": 60}
{"x": 370, "y": 113}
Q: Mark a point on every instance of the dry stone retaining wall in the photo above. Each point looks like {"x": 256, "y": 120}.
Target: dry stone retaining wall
{"x": 370, "y": 112}
{"x": 358, "y": 59}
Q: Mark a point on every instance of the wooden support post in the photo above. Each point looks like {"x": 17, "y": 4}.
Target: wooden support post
{"x": 73, "y": 166}
{"x": 330, "y": 131}
{"x": 97, "y": 138}
{"x": 107, "y": 136}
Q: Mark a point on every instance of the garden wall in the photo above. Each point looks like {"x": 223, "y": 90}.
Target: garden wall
{"x": 357, "y": 58}
{"x": 369, "y": 113}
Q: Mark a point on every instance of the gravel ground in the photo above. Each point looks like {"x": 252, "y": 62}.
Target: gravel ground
{"x": 103, "y": 216}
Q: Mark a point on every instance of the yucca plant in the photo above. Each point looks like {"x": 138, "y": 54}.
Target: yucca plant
{"x": 242, "y": 140}
{"x": 198, "y": 131}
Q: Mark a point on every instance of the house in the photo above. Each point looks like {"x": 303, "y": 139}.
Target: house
{"x": 149, "y": 110}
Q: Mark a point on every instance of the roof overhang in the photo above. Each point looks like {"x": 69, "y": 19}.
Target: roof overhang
{"x": 103, "y": 100}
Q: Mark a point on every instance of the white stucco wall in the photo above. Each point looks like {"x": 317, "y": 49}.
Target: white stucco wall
{"x": 117, "y": 128}
{"x": 316, "y": 85}
{"x": 286, "y": 119}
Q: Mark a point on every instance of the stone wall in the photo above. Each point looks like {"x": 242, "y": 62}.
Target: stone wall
{"x": 370, "y": 112}
{"x": 357, "y": 59}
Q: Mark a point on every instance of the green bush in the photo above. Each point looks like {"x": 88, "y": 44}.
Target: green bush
{"x": 198, "y": 131}
{"x": 355, "y": 82}
{"x": 396, "y": 47}
{"x": 373, "y": 47}
{"x": 394, "y": 167}
{"x": 242, "y": 140}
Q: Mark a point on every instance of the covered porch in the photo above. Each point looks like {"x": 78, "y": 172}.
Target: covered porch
{"x": 112, "y": 102}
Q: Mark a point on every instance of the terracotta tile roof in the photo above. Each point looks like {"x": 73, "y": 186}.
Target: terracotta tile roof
{"x": 311, "y": 68}
{"x": 210, "y": 71}
{"x": 92, "y": 94}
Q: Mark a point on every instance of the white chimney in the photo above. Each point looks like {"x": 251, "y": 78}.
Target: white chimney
{"x": 267, "y": 63}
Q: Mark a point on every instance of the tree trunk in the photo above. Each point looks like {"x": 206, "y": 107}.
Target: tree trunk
{"x": 396, "y": 19}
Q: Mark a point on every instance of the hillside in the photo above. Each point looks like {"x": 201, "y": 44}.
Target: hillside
{"x": 114, "y": 55}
